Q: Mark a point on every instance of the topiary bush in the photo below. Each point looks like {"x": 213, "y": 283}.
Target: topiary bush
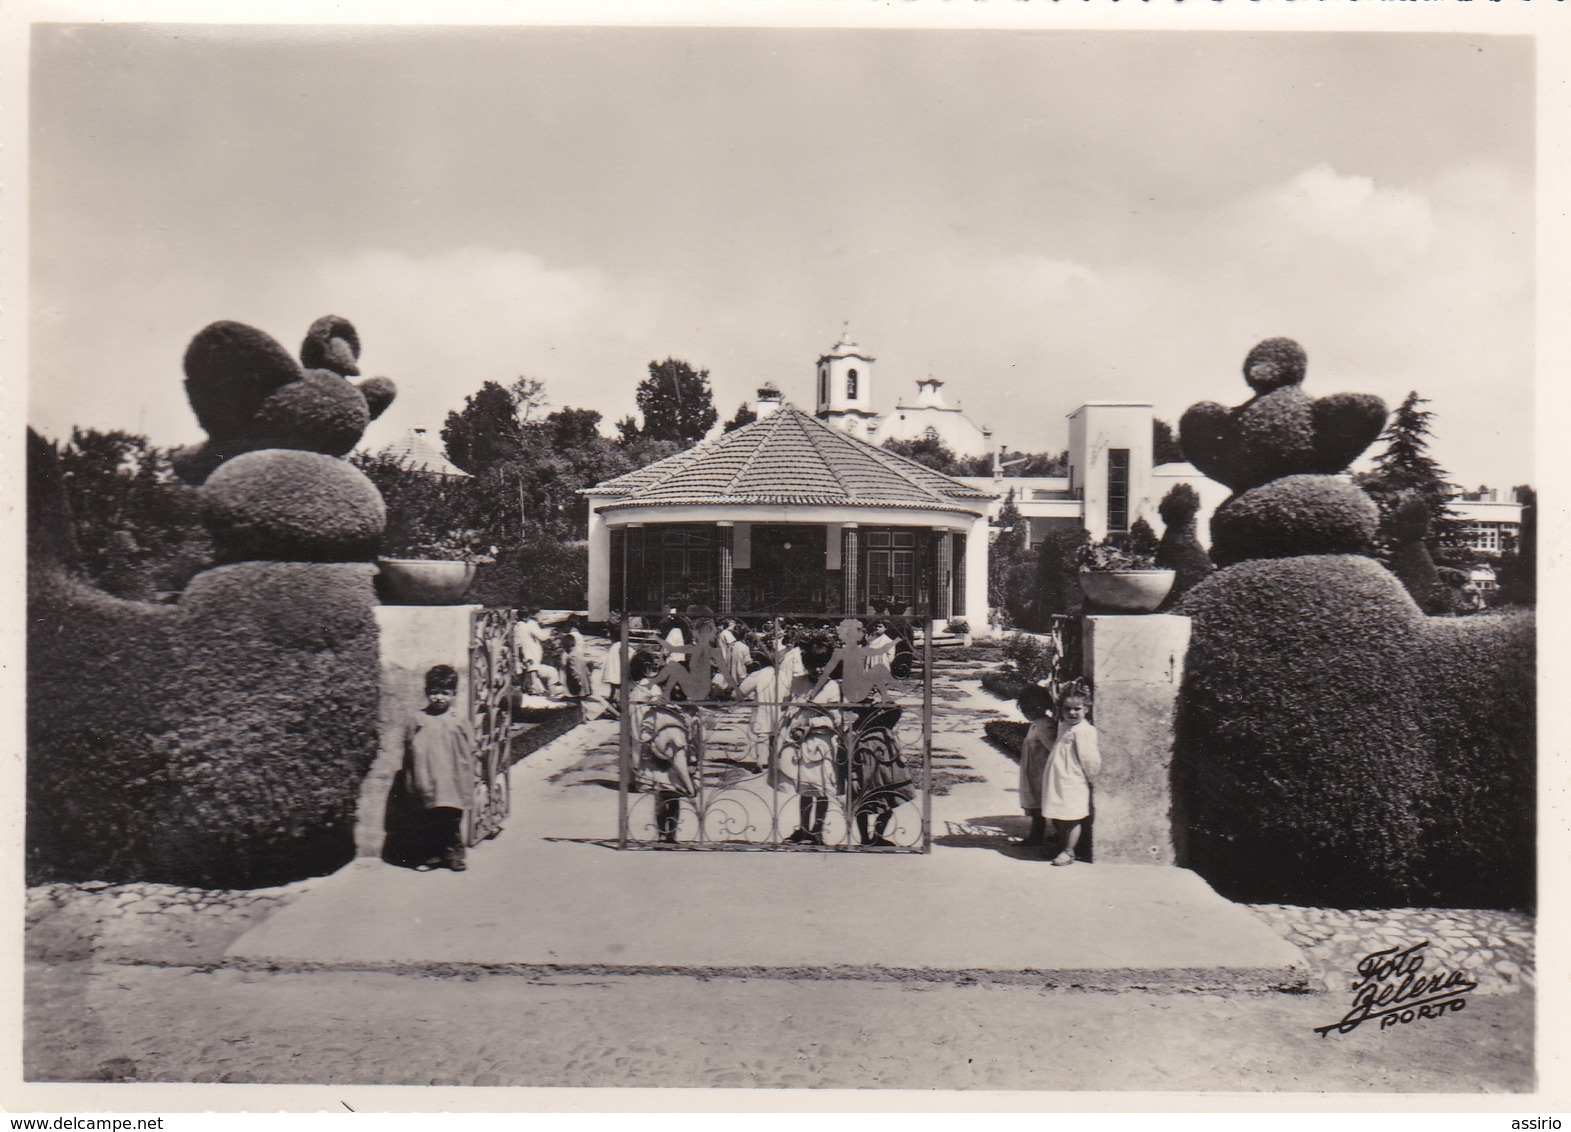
{"x": 221, "y": 741}
{"x": 1292, "y": 516}
{"x": 1334, "y": 745}
{"x": 1180, "y": 550}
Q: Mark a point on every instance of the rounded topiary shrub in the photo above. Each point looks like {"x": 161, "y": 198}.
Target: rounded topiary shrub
{"x": 273, "y": 725}
{"x": 1293, "y": 516}
{"x": 319, "y": 413}
{"x": 286, "y": 505}
{"x": 1301, "y": 748}
{"x": 1335, "y": 746}
{"x": 230, "y": 369}
{"x": 1180, "y": 550}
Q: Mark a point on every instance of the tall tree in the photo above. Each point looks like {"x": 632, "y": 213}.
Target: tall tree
{"x": 1405, "y": 468}
{"x": 485, "y": 431}
{"x": 676, "y": 403}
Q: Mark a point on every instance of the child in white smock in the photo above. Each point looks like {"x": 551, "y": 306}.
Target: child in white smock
{"x": 1074, "y": 762}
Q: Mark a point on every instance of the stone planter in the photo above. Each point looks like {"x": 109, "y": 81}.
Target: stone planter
{"x": 422, "y": 581}
{"x": 1126, "y": 591}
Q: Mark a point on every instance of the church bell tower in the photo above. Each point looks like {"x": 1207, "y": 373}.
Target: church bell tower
{"x": 845, "y": 388}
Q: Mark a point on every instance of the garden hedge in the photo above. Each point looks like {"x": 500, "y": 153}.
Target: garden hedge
{"x": 1333, "y": 744}
{"x": 287, "y": 505}
{"x": 1333, "y": 749}
{"x": 221, "y": 741}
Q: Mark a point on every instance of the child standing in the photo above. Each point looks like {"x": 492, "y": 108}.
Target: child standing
{"x": 763, "y": 686}
{"x": 439, "y": 767}
{"x": 661, "y": 731}
{"x": 1073, "y": 763}
{"x": 1034, "y": 752}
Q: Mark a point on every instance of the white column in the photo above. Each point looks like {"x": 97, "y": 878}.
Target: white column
{"x": 976, "y": 576}
{"x": 599, "y": 567}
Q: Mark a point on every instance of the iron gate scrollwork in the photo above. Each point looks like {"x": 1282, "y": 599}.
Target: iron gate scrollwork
{"x": 771, "y": 732}
{"x": 491, "y": 649}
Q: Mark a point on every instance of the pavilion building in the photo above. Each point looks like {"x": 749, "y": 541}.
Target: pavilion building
{"x": 789, "y": 514}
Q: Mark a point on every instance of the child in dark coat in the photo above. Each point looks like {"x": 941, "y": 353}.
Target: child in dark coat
{"x": 439, "y": 767}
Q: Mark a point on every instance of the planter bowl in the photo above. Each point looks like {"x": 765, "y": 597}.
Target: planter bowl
{"x": 423, "y": 581}
{"x": 1126, "y": 591}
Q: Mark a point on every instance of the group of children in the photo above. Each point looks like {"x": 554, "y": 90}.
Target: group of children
{"x": 803, "y": 747}
{"x": 814, "y": 757}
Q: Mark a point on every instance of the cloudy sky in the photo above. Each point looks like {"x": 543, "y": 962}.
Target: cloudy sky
{"x": 1038, "y": 218}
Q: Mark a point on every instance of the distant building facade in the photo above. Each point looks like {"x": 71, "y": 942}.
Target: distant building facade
{"x": 1112, "y": 481}
{"x": 1488, "y": 523}
{"x": 844, "y": 378}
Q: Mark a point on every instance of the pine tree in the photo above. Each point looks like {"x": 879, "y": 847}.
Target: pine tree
{"x": 1406, "y": 468}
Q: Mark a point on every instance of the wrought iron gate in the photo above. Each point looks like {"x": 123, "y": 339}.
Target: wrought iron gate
{"x": 821, "y": 746}
{"x": 491, "y": 652}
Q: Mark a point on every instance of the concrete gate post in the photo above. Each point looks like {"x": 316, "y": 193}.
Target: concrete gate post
{"x": 1135, "y": 664}
{"x": 413, "y": 639}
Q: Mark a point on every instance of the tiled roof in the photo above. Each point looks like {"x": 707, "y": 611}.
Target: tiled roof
{"x": 415, "y": 452}
{"x": 790, "y": 457}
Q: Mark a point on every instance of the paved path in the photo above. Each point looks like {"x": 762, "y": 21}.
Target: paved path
{"x": 130, "y": 984}
{"x": 550, "y": 893}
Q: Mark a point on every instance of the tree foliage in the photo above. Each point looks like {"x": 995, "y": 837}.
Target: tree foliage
{"x": 934, "y": 453}
{"x": 1518, "y": 571}
{"x": 744, "y": 416}
{"x": 135, "y": 523}
{"x": 1165, "y": 448}
{"x": 485, "y": 431}
{"x": 1405, "y": 468}
{"x": 676, "y": 403}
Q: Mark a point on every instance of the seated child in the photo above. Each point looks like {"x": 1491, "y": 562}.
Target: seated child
{"x": 439, "y": 767}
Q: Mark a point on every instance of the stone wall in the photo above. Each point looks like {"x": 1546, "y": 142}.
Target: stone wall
{"x": 1135, "y": 664}
{"x": 413, "y": 639}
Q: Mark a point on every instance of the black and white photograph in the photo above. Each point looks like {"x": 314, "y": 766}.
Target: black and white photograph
{"x": 763, "y": 557}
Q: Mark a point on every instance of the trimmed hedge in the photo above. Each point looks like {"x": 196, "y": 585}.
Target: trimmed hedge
{"x": 281, "y": 504}
{"x": 1006, "y": 735}
{"x": 1329, "y": 740}
{"x": 321, "y": 412}
{"x": 1180, "y": 550}
{"x": 1297, "y": 515}
{"x": 219, "y": 742}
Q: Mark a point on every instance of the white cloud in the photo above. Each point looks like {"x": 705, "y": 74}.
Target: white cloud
{"x": 440, "y": 325}
{"x": 1388, "y": 225}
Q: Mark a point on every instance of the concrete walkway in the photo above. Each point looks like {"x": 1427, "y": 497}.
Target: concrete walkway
{"x": 549, "y": 893}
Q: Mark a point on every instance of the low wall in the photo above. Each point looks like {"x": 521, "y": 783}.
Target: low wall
{"x": 413, "y": 639}
{"x": 1135, "y": 664}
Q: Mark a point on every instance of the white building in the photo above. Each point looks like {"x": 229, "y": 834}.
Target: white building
{"x": 845, "y": 402}
{"x": 1111, "y": 482}
{"x": 1488, "y": 522}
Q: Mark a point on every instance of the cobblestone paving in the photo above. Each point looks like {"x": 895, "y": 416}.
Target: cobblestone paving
{"x": 1494, "y": 948}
